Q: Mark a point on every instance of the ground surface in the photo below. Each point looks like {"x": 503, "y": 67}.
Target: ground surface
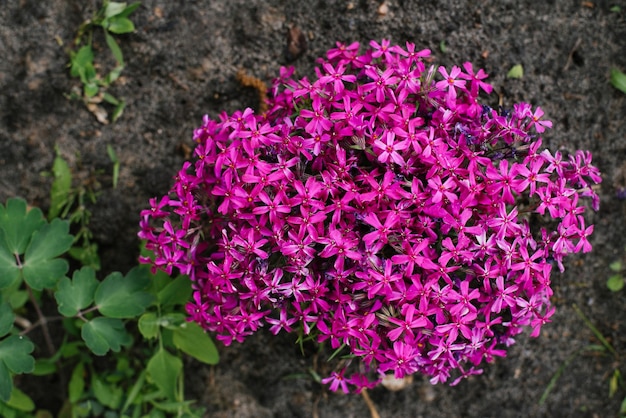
{"x": 182, "y": 64}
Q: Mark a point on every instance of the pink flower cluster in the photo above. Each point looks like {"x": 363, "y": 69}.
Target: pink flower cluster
{"x": 380, "y": 208}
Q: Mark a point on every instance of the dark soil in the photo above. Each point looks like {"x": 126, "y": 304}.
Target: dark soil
{"x": 182, "y": 63}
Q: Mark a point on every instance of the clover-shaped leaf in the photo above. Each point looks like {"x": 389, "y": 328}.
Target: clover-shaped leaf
{"x": 73, "y": 295}
{"x": 124, "y": 297}
{"x": 148, "y": 325}
{"x": 9, "y": 270}
{"x": 14, "y": 358}
{"x": 104, "y": 334}
{"x": 19, "y": 224}
{"x": 6, "y": 319}
{"x": 41, "y": 268}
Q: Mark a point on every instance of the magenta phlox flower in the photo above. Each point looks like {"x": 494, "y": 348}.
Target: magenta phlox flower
{"x": 282, "y": 323}
{"x": 383, "y": 280}
{"x": 505, "y": 224}
{"x": 337, "y": 380}
{"x": 250, "y": 244}
{"x": 539, "y": 125}
{"x": 442, "y": 189}
{"x": 319, "y": 122}
{"x": 408, "y": 324}
{"x": 380, "y": 207}
{"x": 382, "y": 231}
{"x": 390, "y": 148}
{"x": 402, "y": 360}
{"x": 503, "y": 295}
{"x": 451, "y": 81}
{"x": 476, "y": 79}
{"x": 380, "y": 81}
{"x": 336, "y": 77}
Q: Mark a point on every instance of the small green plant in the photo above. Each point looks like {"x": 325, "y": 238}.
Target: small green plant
{"x": 615, "y": 282}
{"x": 615, "y": 381}
{"x": 68, "y": 200}
{"x": 618, "y": 80}
{"x": 113, "y": 18}
{"x": 133, "y": 319}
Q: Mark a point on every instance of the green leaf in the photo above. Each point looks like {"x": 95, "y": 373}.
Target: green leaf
{"x": 90, "y": 89}
{"x": 107, "y": 395}
{"x": 124, "y": 297}
{"x": 113, "y": 9}
{"x": 134, "y": 391}
{"x": 9, "y": 270}
{"x": 41, "y": 269}
{"x": 15, "y": 353}
{"x": 517, "y": 71}
{"x": 115, "y": 50}
{"x": 20, "y": 401}
{"x": 18, "y": 298}
{"x": 6, "y": 383}
{"x": 618, "y": 80}
{"x": 116, "y": 164}
{"x": 129, "y": 9}
{"x": 616, "y": 266}
{"x": 6, "y": 319}
{"x": 109, "y": 98}
{"x": 174, "y": 407}
{"x": 615, "y": 9}
{"x": 614, "y": 382}
{"x": 172, "y": 320}
{"x": 177, "y": 292}
{"x": 71, "y": 349}
{"x": 442, "y": 47}
{"x": 76, "y": 386}
{"x": 615, "y": 283}
{"x": 73, "y": 295}
{"x": 120, "y": 25}
{"x": 44, "y": 367}
{"x": 81, "y": 60}
{"x": 19, "y": 224}
{"x": 14, "y": 357}
{"x": 104, "y": 334}
{"x": 117, "y": 112}
{"x": 191, "y": 339}
{"x": 87, "y": 255}
{"x": 61, "y": 186}
{"x": 113, "y": 75}
{"x": 148, "y": 325}
{"x": 595, "y": 330}
{"x": 164, "y": 370}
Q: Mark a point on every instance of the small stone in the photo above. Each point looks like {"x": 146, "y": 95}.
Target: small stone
{"x": 390, "y": 382}
{"x": 383, "y": 9}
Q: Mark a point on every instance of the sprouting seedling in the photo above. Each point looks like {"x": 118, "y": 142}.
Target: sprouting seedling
{"x": 113, "y": 19}
{"x": 615, "y": 282}
{"x": 618, "y": 80}
{"x": 116, "y": 164}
